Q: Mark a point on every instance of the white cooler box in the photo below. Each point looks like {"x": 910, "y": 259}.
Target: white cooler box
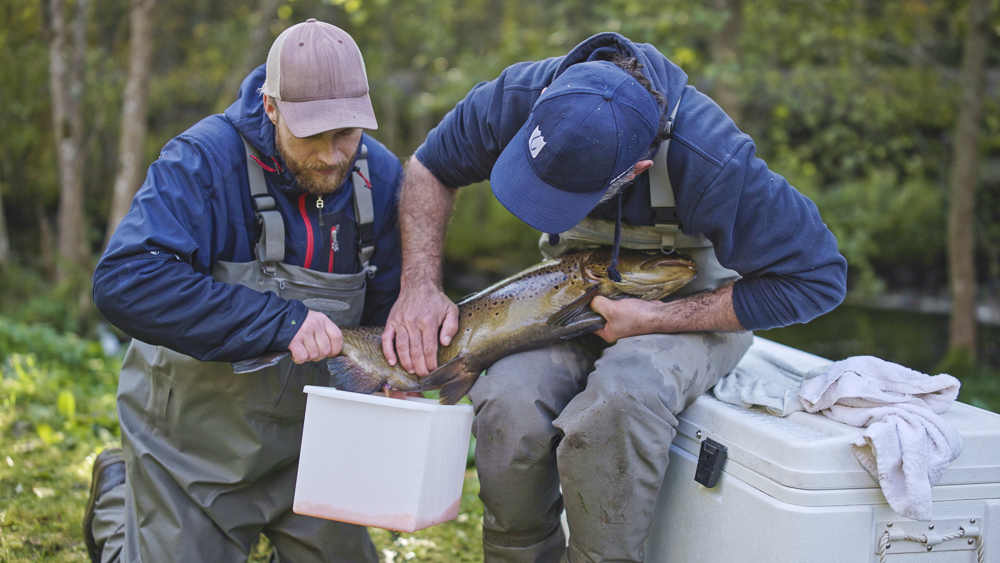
{"x": 791, "y": 491}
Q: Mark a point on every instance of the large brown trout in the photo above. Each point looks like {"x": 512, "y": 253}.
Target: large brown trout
{"x": 537, "y": 307}
{"x": 534, "y": 308}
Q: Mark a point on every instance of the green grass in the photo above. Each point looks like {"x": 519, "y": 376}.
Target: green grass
{"x": 57, "y": 412}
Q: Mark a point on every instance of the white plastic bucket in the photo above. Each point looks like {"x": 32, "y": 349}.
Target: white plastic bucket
{"x": 388, "y": 463}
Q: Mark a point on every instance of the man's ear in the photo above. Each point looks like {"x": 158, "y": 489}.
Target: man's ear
{"x": 640, "y": 167}
{"x": 271, "y": 109}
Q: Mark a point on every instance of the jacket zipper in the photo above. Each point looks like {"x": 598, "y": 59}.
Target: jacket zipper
{"x": 307, "y": 263}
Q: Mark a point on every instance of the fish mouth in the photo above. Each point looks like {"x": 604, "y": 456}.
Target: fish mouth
{"x": 668, "y": 261}
{"x": 654, "y": 277}
{"x": 595, "y": 266}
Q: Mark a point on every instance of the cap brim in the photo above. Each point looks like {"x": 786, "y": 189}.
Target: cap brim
{"x": 516, "y": 185}
{"x": 305, "y": 119}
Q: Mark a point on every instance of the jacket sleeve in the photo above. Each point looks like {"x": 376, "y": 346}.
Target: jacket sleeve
{"x": 153, "y": 280}
{"x": 773, "y": 236}
{"x": 463, "y": 148}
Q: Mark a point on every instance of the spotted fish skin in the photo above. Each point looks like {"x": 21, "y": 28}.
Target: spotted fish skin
{"x": 539, "y": 306}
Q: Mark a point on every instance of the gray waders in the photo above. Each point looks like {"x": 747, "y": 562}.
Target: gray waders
{"x": 211, "y": 456}
{"x": 596, "y": 420}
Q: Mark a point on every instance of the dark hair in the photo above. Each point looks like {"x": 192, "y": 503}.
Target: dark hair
{"x": 632, "y": 66}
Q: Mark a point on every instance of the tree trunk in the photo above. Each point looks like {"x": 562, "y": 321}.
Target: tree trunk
{"x": 133, "y": 133}
{"x": 4, "y": 237}
{"x": 46, "y": 239}
{"x": 67, "y": 93}
{"x": 961, "y": 213}
{"x": 725, "y": 55}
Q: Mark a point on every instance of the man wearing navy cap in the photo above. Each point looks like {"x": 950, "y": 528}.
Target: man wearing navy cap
{"x": 606, "y": 145}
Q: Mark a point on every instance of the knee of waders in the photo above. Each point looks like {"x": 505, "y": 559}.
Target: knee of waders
{"x": 514, "y": 432}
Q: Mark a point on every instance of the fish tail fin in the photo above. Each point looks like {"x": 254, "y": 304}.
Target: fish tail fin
{"x": 347, "y": 375}
{"x": 454, "y": 379}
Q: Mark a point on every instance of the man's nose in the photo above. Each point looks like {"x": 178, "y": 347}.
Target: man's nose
{"x": 329, "y": 152}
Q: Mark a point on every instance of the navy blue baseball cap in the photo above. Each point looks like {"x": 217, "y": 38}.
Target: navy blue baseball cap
{"x": 588, "y": 129}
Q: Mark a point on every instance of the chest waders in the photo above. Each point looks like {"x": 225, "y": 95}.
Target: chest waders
{"x": 665, "y": 234}
{"x": 566, "y": 427}
{"x": 211, "y": 455}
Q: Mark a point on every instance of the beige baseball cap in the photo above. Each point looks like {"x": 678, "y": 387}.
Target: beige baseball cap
{"x": 316, "y": 75}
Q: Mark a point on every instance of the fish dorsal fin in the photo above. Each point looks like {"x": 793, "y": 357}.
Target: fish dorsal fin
{"x": 577, "y": 308}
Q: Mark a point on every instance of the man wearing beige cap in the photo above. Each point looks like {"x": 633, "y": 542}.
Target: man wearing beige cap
{"x": 259, "y": 230}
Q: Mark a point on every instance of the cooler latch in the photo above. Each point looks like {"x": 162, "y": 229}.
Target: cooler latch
{"x": 938, "y": 535}
{"x": 710, "y": 462}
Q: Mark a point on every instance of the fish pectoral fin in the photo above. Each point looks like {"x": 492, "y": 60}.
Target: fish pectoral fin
{"x": 260, "y": 362}
{"x": 347, "y": 375}
{"x": 454, "y": 379}
{"x": 578, "y": 308}
{"x": 589, "y": 328}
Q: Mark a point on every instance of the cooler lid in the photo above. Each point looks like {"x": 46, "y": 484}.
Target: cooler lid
{"x": 811, "y": 451}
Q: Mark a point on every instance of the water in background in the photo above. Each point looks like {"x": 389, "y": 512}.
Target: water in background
{"x": 915, "y": 340}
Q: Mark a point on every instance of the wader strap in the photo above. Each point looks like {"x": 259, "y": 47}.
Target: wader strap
{"x": 363, "y": 209}
{"x": 661, "y": 192}
{"x": 270, "y": 247}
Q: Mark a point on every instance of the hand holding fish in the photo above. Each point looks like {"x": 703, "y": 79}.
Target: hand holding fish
{"x": 625, "y": 317}
{"x": 709, "y": 311}
{"x": 318, "y": 338}
{"x": 411, "y": 332}
{"x": 537, "y": 307}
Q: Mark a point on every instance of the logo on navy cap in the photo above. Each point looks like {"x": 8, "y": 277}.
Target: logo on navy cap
{"x": 536, "y": 142}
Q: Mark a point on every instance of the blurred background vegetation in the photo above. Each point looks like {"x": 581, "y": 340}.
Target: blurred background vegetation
{"x": 856, "y": 102}
{"x": 859, "y": 103}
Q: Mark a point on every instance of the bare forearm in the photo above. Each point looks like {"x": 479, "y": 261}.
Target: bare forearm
{"x": 423, "y": 315}
{"x": 424, "y": 207}
{"x": 710, "y": 311}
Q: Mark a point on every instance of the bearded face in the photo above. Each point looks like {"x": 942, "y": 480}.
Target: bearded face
{"x": 319, "y": 163}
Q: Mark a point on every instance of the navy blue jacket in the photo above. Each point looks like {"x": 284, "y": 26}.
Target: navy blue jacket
{"x": 760, "y": 225}
{"x": 195, "y": 210}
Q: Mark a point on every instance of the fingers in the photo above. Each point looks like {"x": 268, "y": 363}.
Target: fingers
{"x": 606, "y": 335}
{"x": 410, "y": 338}
{"x": 403, "y": 349}
{"x": 428, "y": 352}
{"x": 416, "y": 348}
{"x": 318, "y": 338}
{"x": 604, "y": 307}
{"x": 388, "y": 343}
{"x": 449, "y": 327}
{"x": 299, "y": 352}
{"x": 336, "y": 339}
{"x": 600, "y": 305}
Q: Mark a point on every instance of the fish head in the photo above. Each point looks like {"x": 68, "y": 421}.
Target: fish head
{"x": 646, "y": 274}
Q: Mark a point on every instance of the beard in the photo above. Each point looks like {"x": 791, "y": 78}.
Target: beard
{"x": 308, "y": 174}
